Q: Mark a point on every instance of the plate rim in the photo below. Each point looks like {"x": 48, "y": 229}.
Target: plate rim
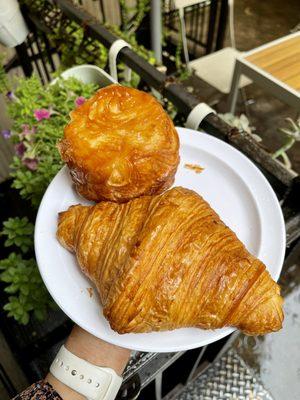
{"x": 261, "y": 176}
{"x": 218, "y": 333}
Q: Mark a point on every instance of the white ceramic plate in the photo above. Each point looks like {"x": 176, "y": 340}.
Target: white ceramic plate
{"x": 232, "y": 185}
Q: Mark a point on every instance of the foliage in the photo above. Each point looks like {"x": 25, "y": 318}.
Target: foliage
{"x": 292, "y": 134}
{"x": 26, "y": 288}
{"x": 19, "y": 232}
{"x": 132, "y": 16}
{"x": 3, "y": 77}
{"x": 76, "y": 47}
{"x": 35, "y": 140}
{"x": 140, "y": 50}
{"x": 148, "y": 55}
{"x": 240, "y": 122}
{"x": 39, "y": 115}
{"x": 182, "y": 70}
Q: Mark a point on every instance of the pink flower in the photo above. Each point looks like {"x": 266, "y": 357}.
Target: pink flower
{"x": 79, "y": 101}
{"x": 31, "y": 163}
{"x": 27, "y": 130}
{"x": 41, "y": 113}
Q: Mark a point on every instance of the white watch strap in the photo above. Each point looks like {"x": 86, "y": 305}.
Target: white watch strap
{"x": 95, "y": 383}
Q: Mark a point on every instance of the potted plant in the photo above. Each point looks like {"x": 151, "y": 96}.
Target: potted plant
{"x": 88, "y": 73}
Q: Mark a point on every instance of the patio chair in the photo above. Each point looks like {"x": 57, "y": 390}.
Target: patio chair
{"x": 216, "y": 68}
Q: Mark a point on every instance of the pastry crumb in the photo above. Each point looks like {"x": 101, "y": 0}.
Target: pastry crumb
{"x": 90, "y": 291}
{"x": 194, "y": 167}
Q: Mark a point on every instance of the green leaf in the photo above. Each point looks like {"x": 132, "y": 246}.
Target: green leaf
{"x": 7, "y": 307}
{"x": 40, "y": 314}
{"x": 3, "y": 77}
{"x": 6, "y": 277}
{"x": 25, "y": 319}
{"x": 25, "y": 290}
{"x": 26, "y": 285}
{"x": 19, "y": 232}
{"x": 8, "y": 242}
{"x": 24, "y": 248}
{"x": 13, "y": 288}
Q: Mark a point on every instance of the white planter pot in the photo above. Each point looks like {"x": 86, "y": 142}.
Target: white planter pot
{"x": 13, "y": 29}
{"x": 88, "y": 74}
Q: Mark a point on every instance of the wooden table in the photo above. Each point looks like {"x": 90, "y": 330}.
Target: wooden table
{"x": 274, "y": 66}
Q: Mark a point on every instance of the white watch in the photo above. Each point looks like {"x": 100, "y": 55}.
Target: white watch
{"x": 95, "y": 383}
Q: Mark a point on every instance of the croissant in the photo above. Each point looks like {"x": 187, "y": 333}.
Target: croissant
{"x": 168, "y": 261}
{"x": 120, "y": 144}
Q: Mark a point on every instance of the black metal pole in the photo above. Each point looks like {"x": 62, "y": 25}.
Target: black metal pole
{"x": 101, "y": 6}
{"x": 222, "y": 25}
{"x": 24, "y": 59}
{"x": 36, "y": 62}
{"x": 43, "y": 61}
{"x": 211, "y": 26}
{"x": 197, "y": 28}
{"x": 48, "y": 51}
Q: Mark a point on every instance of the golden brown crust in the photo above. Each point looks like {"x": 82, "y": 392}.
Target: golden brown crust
{"x": 168, "y": 261}
{"x": 120, "y": 144}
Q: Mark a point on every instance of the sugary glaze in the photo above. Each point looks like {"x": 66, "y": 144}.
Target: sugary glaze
{"x": 120, "y": 144}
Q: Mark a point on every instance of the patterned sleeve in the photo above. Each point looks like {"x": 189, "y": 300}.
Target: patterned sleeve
{"x": 39, "y": 391}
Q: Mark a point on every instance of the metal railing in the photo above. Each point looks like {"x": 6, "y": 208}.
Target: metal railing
{"x": 205, "y": 25}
